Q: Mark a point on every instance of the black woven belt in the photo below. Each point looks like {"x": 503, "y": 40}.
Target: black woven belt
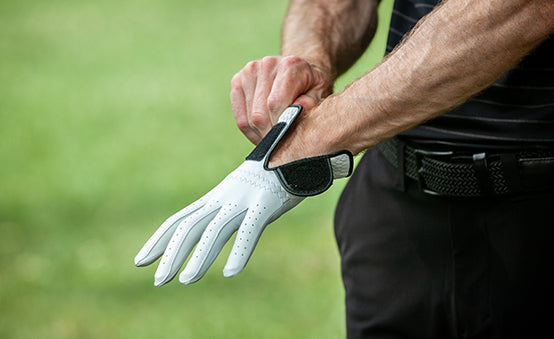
{"x": 460, "y": 174}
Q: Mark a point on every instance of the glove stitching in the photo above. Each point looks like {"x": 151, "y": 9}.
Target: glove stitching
{"x": 256, "y": 180}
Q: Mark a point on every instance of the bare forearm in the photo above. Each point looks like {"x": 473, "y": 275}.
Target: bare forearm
{"x": 331, "y": 34}
{"x": 458, "y": 50}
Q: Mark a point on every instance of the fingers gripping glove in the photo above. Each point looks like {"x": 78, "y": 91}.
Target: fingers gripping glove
{"x": 246, "y": 201}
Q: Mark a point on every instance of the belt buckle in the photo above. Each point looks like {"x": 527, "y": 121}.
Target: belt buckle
{"x": 419, "y": 154}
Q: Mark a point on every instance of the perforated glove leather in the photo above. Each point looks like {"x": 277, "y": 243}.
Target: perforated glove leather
{"x": 246, "y": 201}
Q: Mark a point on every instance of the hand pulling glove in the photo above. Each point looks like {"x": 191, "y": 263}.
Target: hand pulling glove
{"x": 246, "y": 201}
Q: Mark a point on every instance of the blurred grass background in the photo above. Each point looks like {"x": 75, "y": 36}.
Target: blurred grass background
{"x": 113, "y": 115}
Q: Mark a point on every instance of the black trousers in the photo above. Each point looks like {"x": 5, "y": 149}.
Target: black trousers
{"x": 421, "y": 266}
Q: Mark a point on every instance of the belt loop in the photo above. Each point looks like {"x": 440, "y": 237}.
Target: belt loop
{"x": 401, "y": 156}
{"x": 510, "y": 169}
{"x": 482, "y": 173}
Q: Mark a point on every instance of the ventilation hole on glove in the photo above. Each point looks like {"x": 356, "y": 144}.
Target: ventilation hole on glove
{"x": 176, "y": 234}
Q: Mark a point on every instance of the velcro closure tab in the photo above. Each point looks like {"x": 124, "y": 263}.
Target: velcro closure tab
{"x": 290, "y": 114}
{"x": 342, "y": 163}
{"x": 259, "y": 152}
{"x": 306, "y": 177}
{"x": 272, "y": 138}
{"x": 312, "y": 176}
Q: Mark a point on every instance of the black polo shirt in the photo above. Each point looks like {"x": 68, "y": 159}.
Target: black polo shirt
{"x": 516, "y": 111}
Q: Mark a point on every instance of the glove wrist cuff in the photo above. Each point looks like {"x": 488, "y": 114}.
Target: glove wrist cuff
{"x": 304, "y": 177}
{"x": 312, "y": 176}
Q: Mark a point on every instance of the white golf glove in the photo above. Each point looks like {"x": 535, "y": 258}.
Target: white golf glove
{"x": 247, "y": 200}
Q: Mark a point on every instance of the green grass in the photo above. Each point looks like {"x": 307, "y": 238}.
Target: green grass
{"x": 113, "y": 115}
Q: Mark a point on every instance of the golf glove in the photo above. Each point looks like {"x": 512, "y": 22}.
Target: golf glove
{"x": 246, "y": 201}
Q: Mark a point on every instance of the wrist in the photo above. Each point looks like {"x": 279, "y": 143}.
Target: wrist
{"x": 325, "y": 68}
{"x": 289, "y": 149}
{"x": 317, "y": 59}
{"x": 305, "y": 139}
{"x": 301, "y": 175}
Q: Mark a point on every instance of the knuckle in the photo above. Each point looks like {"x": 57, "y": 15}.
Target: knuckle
{"x": 268, "y": 63}
{"x": 236, "y": 81}
{"x": 258, "y": 120}
{"x": 268, "y": 59}
{"x": 268, "y": 69}
{"x": 242, "y": 124}
{"x": 252, "y": 66}
{"x": 274, "y": 102}
{"x": 291, "y": 61}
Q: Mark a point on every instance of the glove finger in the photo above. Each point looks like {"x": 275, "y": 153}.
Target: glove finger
{"x": 213, "y": 239}
{"x": 257, "y": 218}
{"x": 182, "y": 242}
{"x": 156, "y": 245}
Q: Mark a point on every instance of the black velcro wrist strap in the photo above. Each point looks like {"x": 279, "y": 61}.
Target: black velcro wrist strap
{"x": 312, "y": 176}
{"x": 267, "y": 144}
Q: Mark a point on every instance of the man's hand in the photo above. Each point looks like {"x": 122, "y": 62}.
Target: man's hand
{"x": 264, "y": 88}
{"x": 246, "y": 201}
